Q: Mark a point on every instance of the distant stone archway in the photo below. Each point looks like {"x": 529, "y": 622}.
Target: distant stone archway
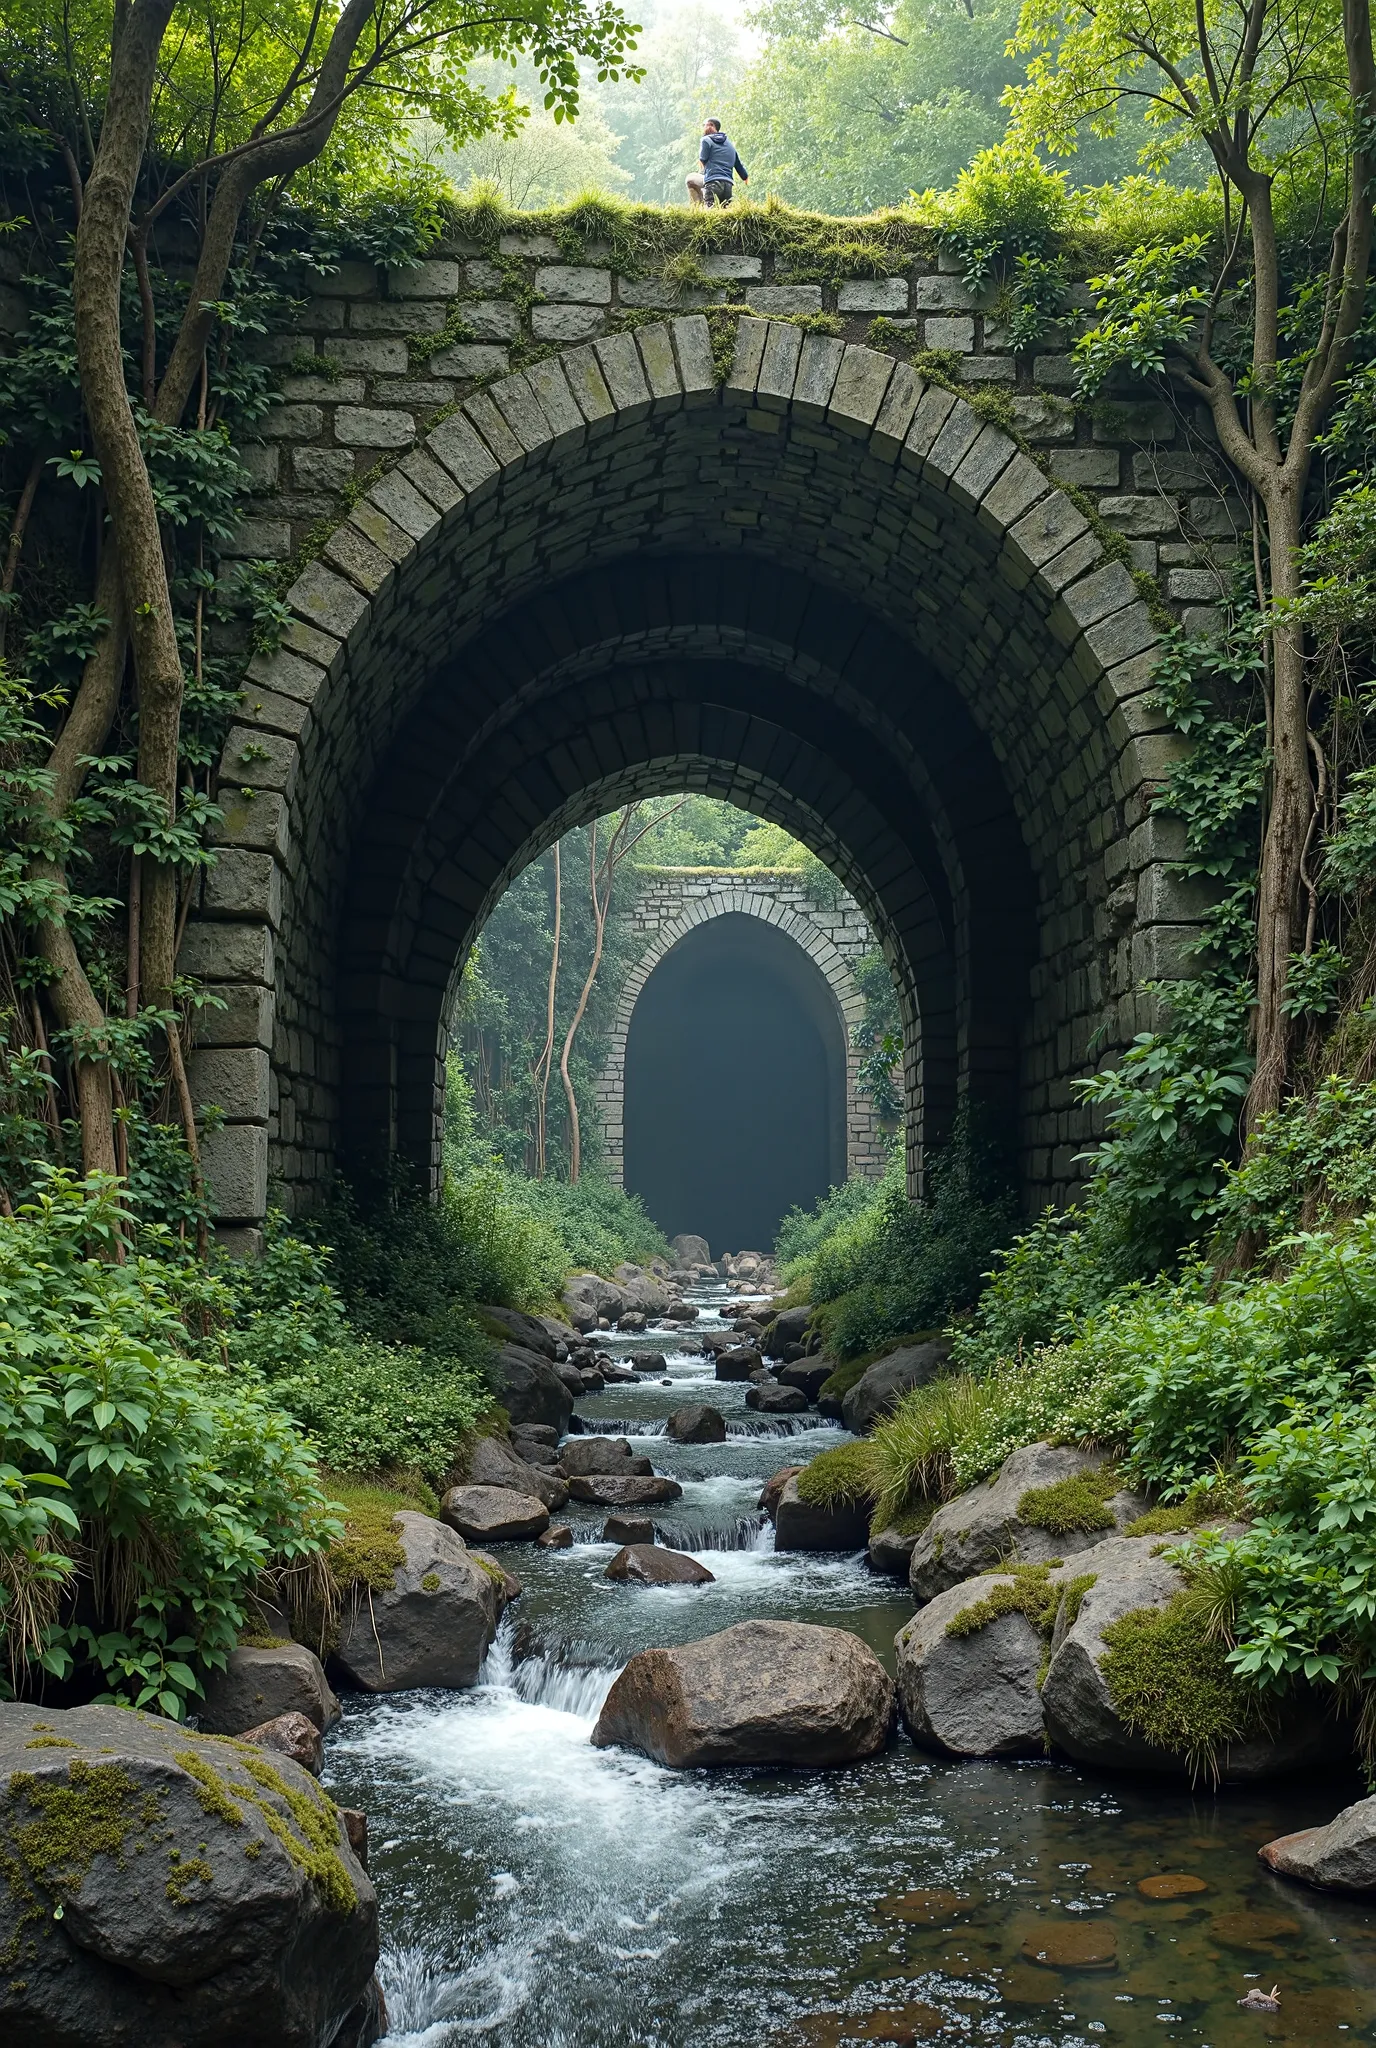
{"x": 784, "y": 908}
{"x": 824, "y": 590}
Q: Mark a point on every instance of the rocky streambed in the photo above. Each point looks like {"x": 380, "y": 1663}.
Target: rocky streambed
{"x": 538, "y": 1891}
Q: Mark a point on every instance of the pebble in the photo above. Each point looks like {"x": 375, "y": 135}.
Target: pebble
{"x": 1170, "y": 1885}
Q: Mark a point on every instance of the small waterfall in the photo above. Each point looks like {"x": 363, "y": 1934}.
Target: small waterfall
{"x": 747, "y": 1532}
{"x": 780, "y": 1425}
{"x": 546, "y": 1677}
{"x": 607, "y": 1425}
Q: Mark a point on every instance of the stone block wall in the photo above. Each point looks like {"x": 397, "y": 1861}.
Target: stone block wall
{"x": 670, "y": 903}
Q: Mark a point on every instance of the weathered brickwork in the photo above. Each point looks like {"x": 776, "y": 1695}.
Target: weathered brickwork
{"x": 826, "y": 590}
{"x": 670, "y": 904}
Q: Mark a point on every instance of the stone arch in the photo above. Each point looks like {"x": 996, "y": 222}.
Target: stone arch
{"x": 825, "y": 589}
{"x": 861, "y": 1152}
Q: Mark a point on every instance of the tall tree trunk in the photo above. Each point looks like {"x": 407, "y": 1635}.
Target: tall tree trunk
{"x": 546, "y": 1059}
{"x": 1289, "y": 815}
{"x": 97, "y": 272}
{"x": 79, "y": 1011}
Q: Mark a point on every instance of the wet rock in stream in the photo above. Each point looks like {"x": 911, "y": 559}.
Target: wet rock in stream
{"x": 585, "y": 1455}
{"x": 763, "y": 1692}
{"x": 431, "y": 1626}
{"x": 648, "y": 1564}
{"x": 610, "y": 1490}
{"x": 494, "y": 1514}
{"x": 696, "y": 1424}
{"x": 494, "y": 1463}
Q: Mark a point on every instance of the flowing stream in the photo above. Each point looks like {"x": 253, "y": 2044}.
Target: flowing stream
{"x": 538, "y": 1893}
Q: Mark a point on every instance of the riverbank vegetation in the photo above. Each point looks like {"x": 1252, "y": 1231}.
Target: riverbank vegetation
{"x": 168, "y": 1427}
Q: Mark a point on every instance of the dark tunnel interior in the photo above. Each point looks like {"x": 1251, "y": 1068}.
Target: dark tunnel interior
{"x": 735, "y": 1085}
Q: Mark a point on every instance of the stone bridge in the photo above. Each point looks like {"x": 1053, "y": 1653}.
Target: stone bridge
{"x": 820, "y": 587}
{"x": 827, "y": 939}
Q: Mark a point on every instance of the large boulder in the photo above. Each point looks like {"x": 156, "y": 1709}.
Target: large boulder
{"x": 431, "y": 1626}
{"x": 690, "y": 1250}
{"x": 642, "y": 1290}
{"x": 801, "y": 1525}
{"x": 530, "y": 1387}
{"x": 767, "y": 1398}
{"x": 809, "y": 1375}
{"x": 738, "y": 1363}
{"x": 167, "y": 1890}
{"x": 1339, "y": 1857}
{"x": 529, "y": 1332}
{"x": 787, "y": 1328}
{"x": 584, "y": 1454}
{"x": 610, "y": 1490}
{"x": 763, "y": 1692}
{"x": 1078, "y": 1707}
{"x": 258, "y": 1685}
{"x": 494, "y": 1462}
{"x": 882, "y": 1385}
{"x": 627, "y": 1529}
{"x": 588, "y": 1298}
{"x": 650, "y": 1564}
{"x": 987, "y": 1527}
{"x": 696, "y": 1425}
{"x": 494, "y": 1514}
{"x": 975, "y": 1693}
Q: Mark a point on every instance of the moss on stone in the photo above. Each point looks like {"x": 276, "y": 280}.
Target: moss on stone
{"x": 183, "y": 1875}
{"x": 50, "y": 1742}
{"x": 309, "y": 1831}
{"x": 847, "y": 1477}
{"x": 1027, "y": 1591}
{"x": 1203, "y": 1503}
{"x": 1074, "y": 1506}
{"x": 430, "y": 1583}
{"x": 312, "y": 1839}
{"x": 1170, "y": 1683}
{"x": 370, "y": 1552}
{"x": 91, "y": 1814}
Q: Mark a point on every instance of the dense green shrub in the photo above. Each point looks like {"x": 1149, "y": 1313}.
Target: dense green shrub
{"x": 183, "y": 1476}
{"x": 370, "y": 1404}
{"x": 803, "y": 1231}
{"x": 896, "y": 1267}
{"x": 1309, "y": 1162}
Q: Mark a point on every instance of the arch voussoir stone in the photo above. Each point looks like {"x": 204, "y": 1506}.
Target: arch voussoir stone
{"x": 825, "y": 587}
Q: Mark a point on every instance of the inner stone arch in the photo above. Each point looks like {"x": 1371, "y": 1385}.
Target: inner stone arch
{"x": 825, "y": 591}
{"x": 807, "y": 948}
{"x": 736, "y": 1103}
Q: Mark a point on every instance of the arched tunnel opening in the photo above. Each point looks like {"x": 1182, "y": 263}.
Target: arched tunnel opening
{"x": 735, "y": 1085}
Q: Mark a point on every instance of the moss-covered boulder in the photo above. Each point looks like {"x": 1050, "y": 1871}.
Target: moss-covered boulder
{"x": 171, "y": 1890}
{"x": 1045, "y": 1501}
{"x": 1140, "y": 1681}
{"x": 431, "y": 1626}
{"x": 969, "y": 1666}
{"x": 819, "y": 1524}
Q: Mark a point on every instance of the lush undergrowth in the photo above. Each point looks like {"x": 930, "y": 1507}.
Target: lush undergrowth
{"x": 879, "y": 1267}
{"x": 1236, "y": 1385}
{"x": 168, "y": 1431}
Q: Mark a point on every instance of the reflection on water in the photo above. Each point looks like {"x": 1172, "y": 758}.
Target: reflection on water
{"x": 538, "y": 1893}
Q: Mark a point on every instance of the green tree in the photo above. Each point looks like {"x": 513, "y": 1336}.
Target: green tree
{"x": 1260, "y": 327}
{"x": 198, "y": 132}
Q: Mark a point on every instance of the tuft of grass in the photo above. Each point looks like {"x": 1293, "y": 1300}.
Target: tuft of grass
{"x": 1073, "y": 1506}
{"x": 912, "y": 1446}
{"x": 1224, "y": 1498}
{"x": 843, "y": 1478}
